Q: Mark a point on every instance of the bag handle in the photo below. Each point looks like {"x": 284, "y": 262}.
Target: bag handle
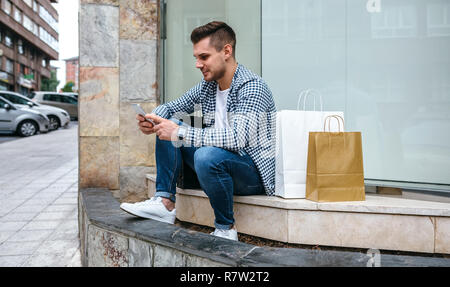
{"x": 300, "y": 97}
{"x": 338, "y": 118}
{"x": 304, "y": 94}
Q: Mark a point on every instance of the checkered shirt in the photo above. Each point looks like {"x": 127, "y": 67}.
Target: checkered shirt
{"x": 251, "y": 115}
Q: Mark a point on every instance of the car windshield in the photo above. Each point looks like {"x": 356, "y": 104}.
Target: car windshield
{"x": 15, "y": 99}
{"x": 4, "y": 101}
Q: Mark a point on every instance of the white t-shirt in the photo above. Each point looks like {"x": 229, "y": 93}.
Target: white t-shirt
{"x": 220, "y": 117}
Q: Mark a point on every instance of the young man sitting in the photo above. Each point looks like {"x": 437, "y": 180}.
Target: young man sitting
{"x": 234, "y": 153}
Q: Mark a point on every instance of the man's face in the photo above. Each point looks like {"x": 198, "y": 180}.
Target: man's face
{"x": 210, "y": 62}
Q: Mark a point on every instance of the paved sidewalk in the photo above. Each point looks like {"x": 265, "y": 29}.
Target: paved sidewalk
{"x": 38, "y": 200}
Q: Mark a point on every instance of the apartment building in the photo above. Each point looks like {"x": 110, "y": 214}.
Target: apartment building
{"x": 72, "y": 66}
{"x": 28, "y": 42}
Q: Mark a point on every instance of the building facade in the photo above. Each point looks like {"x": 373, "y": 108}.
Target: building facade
{"x": 28, "y": 42}
{"x": 385, "y": 64}
{"x": 72, "y": 67}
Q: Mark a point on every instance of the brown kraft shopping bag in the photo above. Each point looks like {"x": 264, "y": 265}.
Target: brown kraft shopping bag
{"x": 335, "y": 165}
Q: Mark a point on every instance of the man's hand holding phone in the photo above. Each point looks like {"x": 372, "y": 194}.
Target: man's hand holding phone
{"x": 145, "y": 126}
{"x": 151, "y": 123}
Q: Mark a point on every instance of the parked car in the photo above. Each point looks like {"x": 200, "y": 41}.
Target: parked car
{"x": 57, "y": 117}
{"x": 59, "y": 100}
{"x": 25, "y": 121}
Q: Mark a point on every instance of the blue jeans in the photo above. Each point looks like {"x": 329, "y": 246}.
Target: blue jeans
{"x": 221, "y": 174}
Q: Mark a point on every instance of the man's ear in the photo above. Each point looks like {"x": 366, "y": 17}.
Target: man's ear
{"x": 228, "y": 50}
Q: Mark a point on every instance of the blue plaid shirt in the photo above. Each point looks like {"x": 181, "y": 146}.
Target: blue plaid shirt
{"x": 251, "y": 115}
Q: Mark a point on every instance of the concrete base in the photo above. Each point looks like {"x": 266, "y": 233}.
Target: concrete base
{"x": 381, "y": 222}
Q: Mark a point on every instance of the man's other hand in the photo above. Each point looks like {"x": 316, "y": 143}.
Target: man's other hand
{"x": 165, "y": 129}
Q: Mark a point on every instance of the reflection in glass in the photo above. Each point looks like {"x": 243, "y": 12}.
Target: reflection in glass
{"x": 185, "y": 15}
{"x": 438, "y": 19}
{"x": 389, "y": 71}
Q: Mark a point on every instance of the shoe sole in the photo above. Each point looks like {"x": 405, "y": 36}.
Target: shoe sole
{"x": 147, "y": 216}
{"x": 212, "y": 233}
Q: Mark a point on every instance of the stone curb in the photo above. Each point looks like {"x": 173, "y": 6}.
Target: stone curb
{"x": 112, "y": 237}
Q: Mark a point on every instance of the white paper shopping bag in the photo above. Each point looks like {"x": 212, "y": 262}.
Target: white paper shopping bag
{"x": 292, "y": 133}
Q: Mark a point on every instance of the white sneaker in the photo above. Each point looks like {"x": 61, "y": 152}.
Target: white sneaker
{"x": 226, "y": 233}
{"x": 152, "y": 208}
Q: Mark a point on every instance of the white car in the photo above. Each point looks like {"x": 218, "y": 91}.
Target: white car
{"x": 57, "y": 117}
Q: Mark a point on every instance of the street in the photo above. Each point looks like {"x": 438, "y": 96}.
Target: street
{"x": 39, "y": 195}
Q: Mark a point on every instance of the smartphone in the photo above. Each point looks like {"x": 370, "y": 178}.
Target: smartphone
{"x": 139, "y": 110}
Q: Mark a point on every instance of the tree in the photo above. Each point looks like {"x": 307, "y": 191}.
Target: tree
{"x": 51, "y": 84}
{"x": 68, "y": 87}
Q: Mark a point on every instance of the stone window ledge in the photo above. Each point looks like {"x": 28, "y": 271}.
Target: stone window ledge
{"x": 384, "y": 222}
{"x": 111, "y": 237}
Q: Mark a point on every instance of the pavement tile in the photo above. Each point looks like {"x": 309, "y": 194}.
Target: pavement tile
{"x": 69, "y": 195}
{"x": 69, "y": 225}
{"x": 13, "y": 261}
{"x": 58, "y": 246}
{"x": 73, "y": 215}
{"x": 64, "y": 235}
{"x": 43, "y": 182}
{"x": 53, "y": 190}
{"x": 62, "y": 186}
{"x": 61, "y": 207}
{"x": 33, "y": 190}
{"x": 76, "y": 260}
{"x": 30, "y": 235}
{"x": 18, "y": 248}
{"x": 37, "y": 187}
{"x": 11, "y": 204}
{"x": 12, "y": 225}
{"x": 47, "y": 195}
{"x": 48, "y": 260}
{"x": 18, "y": 216}
{"x": 59, "y": 215}
{"x": 72, "y": 191}
{"x": 30, "y": 208}
{"x": 43, "y": 201}
{"x": 4, "y": 235}
{"x": 42, "y": 225}
{"x": 66, "y": 200}
{"x": 19, "y": 196}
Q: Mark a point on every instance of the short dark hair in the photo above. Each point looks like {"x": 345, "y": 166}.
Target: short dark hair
{"x": 220, "y": 33}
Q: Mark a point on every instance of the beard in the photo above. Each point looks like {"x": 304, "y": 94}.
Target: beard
{"x": 218, "y": 74}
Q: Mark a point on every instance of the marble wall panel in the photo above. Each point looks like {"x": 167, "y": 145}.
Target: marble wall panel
{"x": 133, "y": 183}
{"x": 362, "y": 230}
{"x": 99, "y": 162}
{"x": 136, "y": 148}
{"x": 151, "y": 185}
{"x": 111, "y": 2}
{"x": 99, "y": 35}
{"x": 114, "y": 73}
{"x": 194, "y": 209}
{"x": 195, "y": 261}
{"x": 168, "y": 257}
{"x": 99, "y": 101}
{"x": 255, "y": 220}
{"x": 442, "y": 243}
{"x": 139, "y": 19}
{"x": 138, "y": 67}
{"x": 140, "y": 253}
{"x": 107, "y": 249}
